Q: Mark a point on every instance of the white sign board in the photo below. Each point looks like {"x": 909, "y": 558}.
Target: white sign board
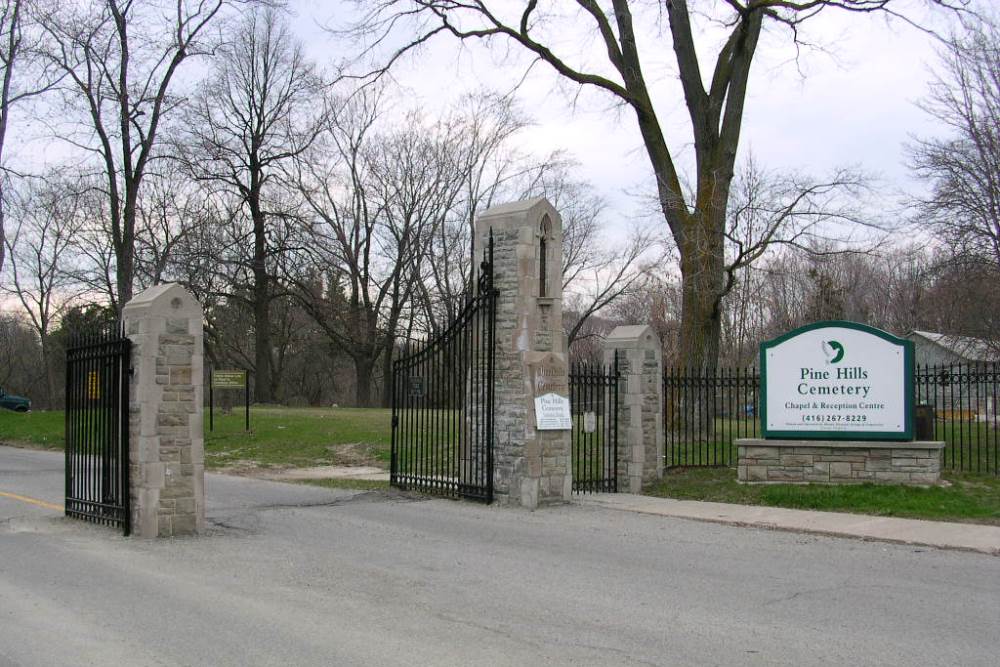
{"x": 589, "y": 422}
{"x": 552, "y": 413}
{"x": 837, "y": 380}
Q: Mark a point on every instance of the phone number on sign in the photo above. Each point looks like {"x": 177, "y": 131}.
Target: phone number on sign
{"x": 834, "y": 418}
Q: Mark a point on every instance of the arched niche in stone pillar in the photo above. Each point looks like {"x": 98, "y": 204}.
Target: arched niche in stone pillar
{"x": 544, "y": 243}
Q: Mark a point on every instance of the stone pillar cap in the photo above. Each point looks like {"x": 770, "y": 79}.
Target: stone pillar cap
{"x": 523, "y": 206}
{"x": 633, "y": 335}
{"x": 165, "y": 294}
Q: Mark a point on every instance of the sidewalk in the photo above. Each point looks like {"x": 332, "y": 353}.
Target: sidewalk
{"x": 963, "y": 536}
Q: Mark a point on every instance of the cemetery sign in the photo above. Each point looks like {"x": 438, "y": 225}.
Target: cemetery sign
{"x": 837, "y": 380}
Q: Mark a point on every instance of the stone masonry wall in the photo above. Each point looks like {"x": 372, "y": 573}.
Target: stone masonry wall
{"x": 166, "y": 395}
{"x": 640, "y": 405}
{"x": 782, "y": 461}
{"x": 531, "y": 467}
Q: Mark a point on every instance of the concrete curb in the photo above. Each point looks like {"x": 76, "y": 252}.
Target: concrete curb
{"x": 937, "y": 534}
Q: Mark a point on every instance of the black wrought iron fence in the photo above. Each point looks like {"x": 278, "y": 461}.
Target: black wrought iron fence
{"x": 964, "y": 398}
{"x": 704, "y": 412}
{"x": 593, "y": 399}
{"x": 97, "y": 435}
{"x": 443, "y": 402}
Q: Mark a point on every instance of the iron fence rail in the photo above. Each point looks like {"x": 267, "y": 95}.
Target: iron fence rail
{"x": 705, "y": 411}
{"x": 593, "y": 399}
{"x": 97, "y": 429}
{"x": 964, "y": 397}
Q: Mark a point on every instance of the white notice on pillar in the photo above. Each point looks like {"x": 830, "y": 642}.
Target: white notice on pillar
{"x": 552, "y": 413}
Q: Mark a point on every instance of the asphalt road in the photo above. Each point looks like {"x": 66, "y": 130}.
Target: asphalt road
{"x": 294, "y": 575}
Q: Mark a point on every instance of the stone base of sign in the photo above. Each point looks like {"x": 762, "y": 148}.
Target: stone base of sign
{"x": 838, "y": 462}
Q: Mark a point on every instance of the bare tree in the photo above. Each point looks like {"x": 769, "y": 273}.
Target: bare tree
{"x": 769, "y": 212}
{"x": 715, "y": 105}
{"x": 963, "y": 168}
{"x": 261, "y": 108}
{"x": 120, "y": 60}
{"x": 378, "y": 199}
{"x": 18, "y": 45}
{"x": 48, "y": 216}
{"x": 170, "y": 209}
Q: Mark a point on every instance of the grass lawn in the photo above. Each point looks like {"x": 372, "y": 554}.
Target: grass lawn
{"x": 278, "y": 437}
{"x": 299, "y": 437}
{"x": 970, "y": 498}
{"x": 39, "y": 428}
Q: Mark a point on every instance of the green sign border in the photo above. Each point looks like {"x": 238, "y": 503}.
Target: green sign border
{"x": 908, "y": 400}
{"x": 226, "y": 383}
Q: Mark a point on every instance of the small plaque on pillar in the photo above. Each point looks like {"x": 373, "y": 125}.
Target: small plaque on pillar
{"x": 550, "y": 386}
{"x": 552, "y": 413}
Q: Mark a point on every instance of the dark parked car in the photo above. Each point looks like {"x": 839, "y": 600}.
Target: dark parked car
{"x": 12, "y": 402}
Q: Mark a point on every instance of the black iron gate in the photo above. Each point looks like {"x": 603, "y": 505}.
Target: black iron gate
{"x": 97, "y": 443}
{"x": 593, "y": 399}
{"x": 443, "y": 400}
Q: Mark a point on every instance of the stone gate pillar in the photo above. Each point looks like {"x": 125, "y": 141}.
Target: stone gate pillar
{"x": 167, "y": 459}
{"x": 640, "y": 405}
{"x": 531, "y": 466}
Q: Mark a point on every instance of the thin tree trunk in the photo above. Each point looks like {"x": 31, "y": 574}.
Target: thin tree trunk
{"x": 387, "y": 375}
{"x": 261, "y": 308}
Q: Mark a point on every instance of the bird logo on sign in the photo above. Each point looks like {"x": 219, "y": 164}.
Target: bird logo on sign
{"x": 833, "y": 350}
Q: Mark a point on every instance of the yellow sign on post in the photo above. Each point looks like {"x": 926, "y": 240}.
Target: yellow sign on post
{"x": 229, "y": 379}
{"x": 93, "y": 385}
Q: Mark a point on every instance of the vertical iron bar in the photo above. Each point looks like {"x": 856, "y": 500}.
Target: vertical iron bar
{"x": 126, "y": 438}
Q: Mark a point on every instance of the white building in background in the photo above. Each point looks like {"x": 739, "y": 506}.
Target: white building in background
{"x": 938, "y": 348}
{"x": 965, "y": 383}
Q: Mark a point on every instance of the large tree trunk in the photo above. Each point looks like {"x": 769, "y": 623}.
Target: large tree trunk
{"x": 702, "y": 251}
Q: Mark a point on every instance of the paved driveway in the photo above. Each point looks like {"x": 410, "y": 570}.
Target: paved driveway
{"x": 293, "y": 575}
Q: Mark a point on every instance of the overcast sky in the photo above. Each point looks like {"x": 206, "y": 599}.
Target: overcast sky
{"x": 852, "y": 106}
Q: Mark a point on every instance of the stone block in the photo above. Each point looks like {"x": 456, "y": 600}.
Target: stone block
{"x": 180, "y": 376}
{"x": 796, "y": 460}
{"x": 784, "y": 475}
{"x": 840, "y": 469}
{"x": 878, "y": 465}
{"x": 897, "y": 462}
{"x": 891, "y": 476}
{"x": 762, "y": 452}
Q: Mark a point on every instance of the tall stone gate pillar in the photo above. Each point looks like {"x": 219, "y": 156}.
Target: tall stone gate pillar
{"x": 640, "y": 405}
{"x": 167, "y": 461}
{"x": 531, "y": 464}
